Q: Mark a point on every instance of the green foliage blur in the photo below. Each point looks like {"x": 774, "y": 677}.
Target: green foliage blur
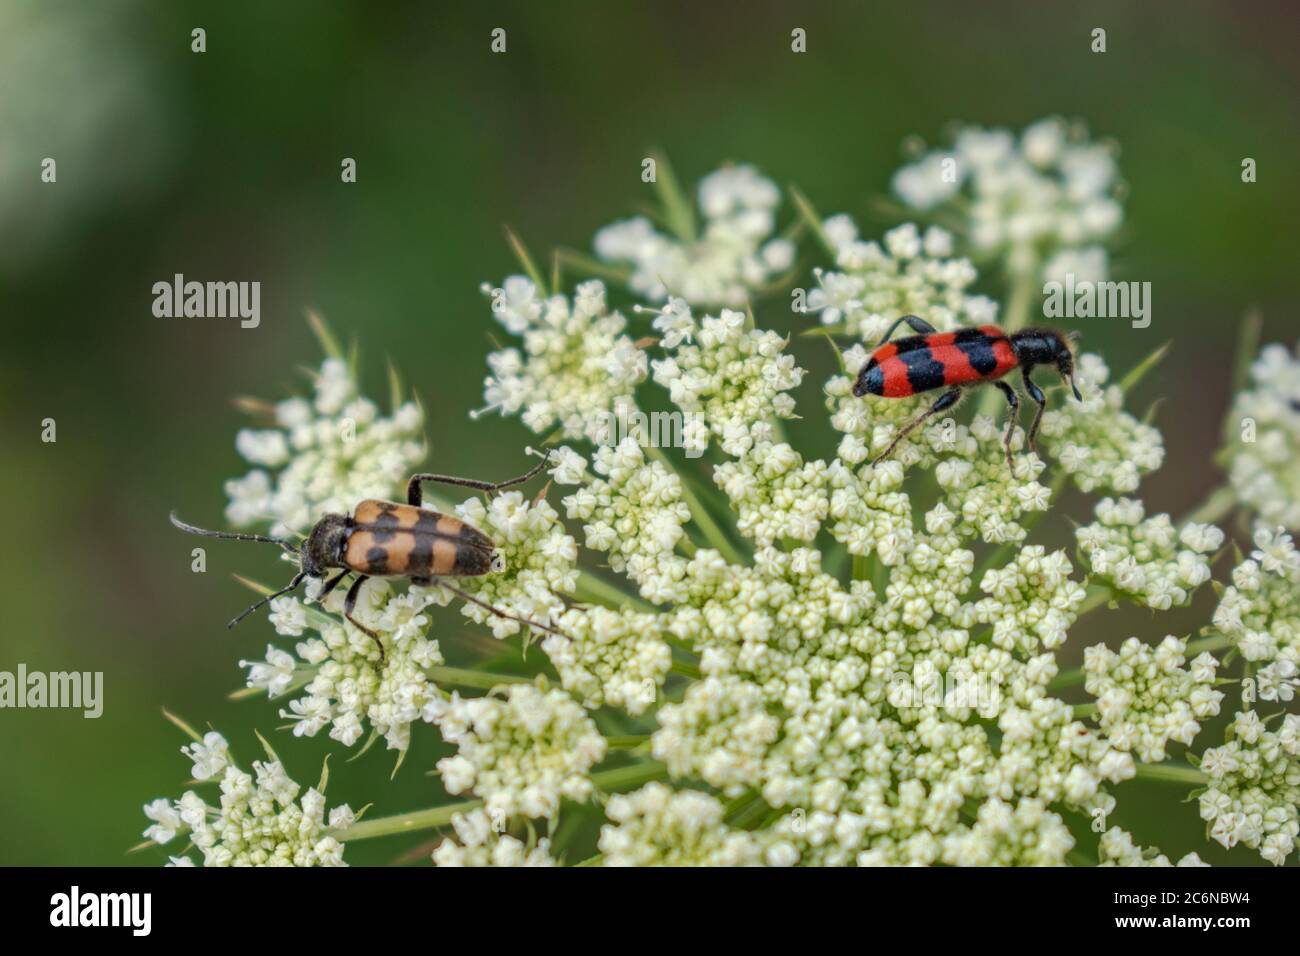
{"x": 225, "y": 165}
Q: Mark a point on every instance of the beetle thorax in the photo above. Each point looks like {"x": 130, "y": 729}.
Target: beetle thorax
{"x": 1039, "y": 347}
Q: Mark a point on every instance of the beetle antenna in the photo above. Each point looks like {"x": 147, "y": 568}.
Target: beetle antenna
{"x": 233, "y": 535}
{"x": 297, "y": 580}
{"x": 498, "y": 612}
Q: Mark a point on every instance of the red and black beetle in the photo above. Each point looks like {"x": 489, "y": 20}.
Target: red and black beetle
{"x": 387, "y": 539}
{"x": 959, "y": 360}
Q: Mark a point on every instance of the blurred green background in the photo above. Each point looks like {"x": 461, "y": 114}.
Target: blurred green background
{"x": 226, "y": 165}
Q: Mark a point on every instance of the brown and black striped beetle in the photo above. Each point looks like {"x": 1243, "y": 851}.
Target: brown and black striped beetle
{"x": 387, "y": 539}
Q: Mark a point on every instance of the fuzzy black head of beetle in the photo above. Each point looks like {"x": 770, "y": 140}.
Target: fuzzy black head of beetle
{"x": 388, "y": 539}
{"x": 320, "y": 551}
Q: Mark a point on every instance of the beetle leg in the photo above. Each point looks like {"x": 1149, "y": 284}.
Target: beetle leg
{"x": 914, "y": 322}
{"x": 297, "y": 580}
{"x": 350, "y": 602}
{"x": 945, "y": 401}
{"x": 331, "y": 584}
{"x": 1037, "y": 395}
{"x": 414, "y": 493}
{"x": 465, "y": 595}
{"x": 1012, "y": 419}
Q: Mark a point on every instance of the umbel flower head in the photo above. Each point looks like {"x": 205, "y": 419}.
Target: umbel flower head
{"x": 1263, "y": 447}
{"x": 1118, "y": 849}
{"x": 732, "y": 255}
{"x": 1259, "y": 613}
{"x": 1050, "y": 193}
{"x": 346, "y": 685}
{"x": 657, "y": 827}
{"x": 479, "y": 843}
{"x": 773, "y": 654}
{"x": 520, "y": 752}
{"x": 1149, "y": 560}
{"x": 261, "y": 818}
{"x": 576, "y": 360}
{"x": 323, "y": 455}
{"x": 909, "y": 273}
{"x": 1254, "y": 792}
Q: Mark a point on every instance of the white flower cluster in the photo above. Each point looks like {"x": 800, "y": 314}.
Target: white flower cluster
{"x": 325, "y": 455}
{"x": 614, "y": 658}
{"x": 912, "y": 274}
{"x": 1022, "y": 201}
{"x": 346, "y": 685}
{"x": 734, "y": 255}
{"x": 576, "y": 365}
{"x": 1260, "y": 612}
{"x": 657, "y": 826}
{"x": 1264, "y": 445}
{"x": 482, "y": 845}
{"x": 796, "y": 703}
{"x": 260, "y": 820}
{"x": 882, "y": 704}
{"x": 1145, "y": 698}
{"x": 1116, "y": 848}
{"x": 540, "y": 561}
{"x": 1031, "y": 602}
{"x": 632, "y": 511}
{"x": 733, "y": 377}
{"x": 521, "y": 749}
{"x": 1149, "y": 561}
{"x": 1103, "y": 447}
{"x": 1026, "y": 834}
{"x": 869, "y": 512}
{"x": 1254, "y": 792}
{"x": 776, "y": 494}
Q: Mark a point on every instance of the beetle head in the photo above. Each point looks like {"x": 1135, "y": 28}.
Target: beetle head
{"x": 323, "y": 548}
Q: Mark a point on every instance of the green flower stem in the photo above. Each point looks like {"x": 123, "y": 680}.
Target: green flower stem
{"x": 626, "y": 741}
{"x": 1213, "y": 509}
{"x": 712, "y": 531}
{"x": 621, "y": 778}
{"x": 1216, "y": 643}
{"x": 596, "y": 590}
{"x": 1172, "y": 773}
{"x": 429, "y": 819}
{"x": 585, "y": 265}
{"x": 1015, "y": 316}
{"x": 999, "y": 555}
{"x": 1023, "y": 287}
{"x": 629, "y": 777}
{"x": 685, "y": 669}
{"x": 1098, "y": 594}
{"x": 1075, "y": 677}
{"x": 464, "y": 677}
{"x": 1085, "y": 710}
{"x": 1078, "y": 857}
